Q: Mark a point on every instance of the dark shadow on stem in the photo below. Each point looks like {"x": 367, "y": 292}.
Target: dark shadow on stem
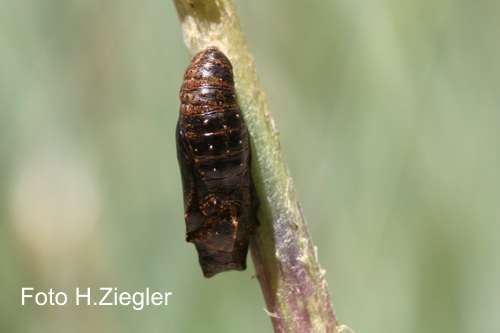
{"x": 200, "y": 10}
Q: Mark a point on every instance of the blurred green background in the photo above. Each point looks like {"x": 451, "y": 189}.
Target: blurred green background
{"x": 389, "y": 120}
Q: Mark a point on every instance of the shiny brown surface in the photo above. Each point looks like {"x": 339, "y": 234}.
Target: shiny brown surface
{"x": 214, "y": 157}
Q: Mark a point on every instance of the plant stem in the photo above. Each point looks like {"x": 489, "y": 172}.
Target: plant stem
{"x": 284, "y": 256}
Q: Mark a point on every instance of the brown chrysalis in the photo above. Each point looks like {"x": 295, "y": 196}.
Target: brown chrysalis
{"x": 214, "y": 157}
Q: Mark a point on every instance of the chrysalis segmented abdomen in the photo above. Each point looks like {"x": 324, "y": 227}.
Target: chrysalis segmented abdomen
{"x": 214, "y": 157}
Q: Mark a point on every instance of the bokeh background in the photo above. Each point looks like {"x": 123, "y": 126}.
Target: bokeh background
{"x": 389, "y": 119}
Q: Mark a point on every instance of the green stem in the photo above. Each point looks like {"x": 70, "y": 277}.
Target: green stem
{"x": 286, "y": 264}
